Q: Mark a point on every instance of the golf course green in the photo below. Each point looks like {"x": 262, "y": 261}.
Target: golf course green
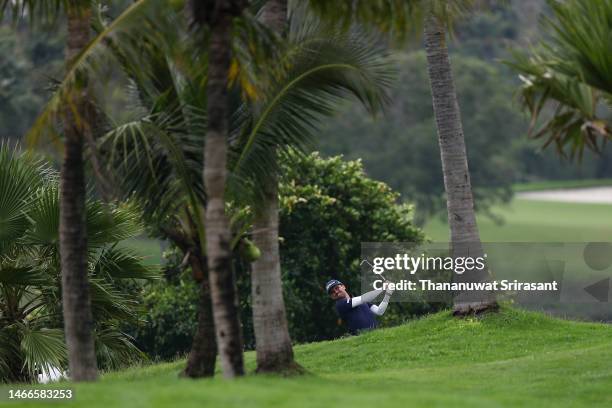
{"x": 510, "y": 358}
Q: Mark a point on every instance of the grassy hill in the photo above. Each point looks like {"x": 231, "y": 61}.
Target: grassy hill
{"x": 513, "y": 358}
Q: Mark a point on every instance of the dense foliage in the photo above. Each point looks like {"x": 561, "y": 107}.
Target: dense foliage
{"x": 328, "y": 207}
{"x": 170, "y": 319}
{"x": 31, "y": 336}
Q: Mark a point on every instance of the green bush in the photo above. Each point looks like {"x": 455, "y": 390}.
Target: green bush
{"x": 170, "y": 318}
{"x": 328, "y": 208}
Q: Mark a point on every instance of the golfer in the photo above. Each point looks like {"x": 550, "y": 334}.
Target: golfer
{"x": 357, "y": 312}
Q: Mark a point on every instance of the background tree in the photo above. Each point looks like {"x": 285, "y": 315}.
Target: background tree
{"x": 403, "y": 151}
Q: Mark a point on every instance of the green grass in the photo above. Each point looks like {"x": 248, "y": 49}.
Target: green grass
{"x": 513, "y": 358}
{"x": 560, "y": 184}
{"x": 539, "y": 221}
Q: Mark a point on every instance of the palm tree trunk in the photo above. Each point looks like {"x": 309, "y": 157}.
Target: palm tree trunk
{"x": 273, "y": 343}
{"x": 201, "y": 360}
{"x": 76, "y": 300}
{"x": 222, "y": 279}
{"x": 465, "y": 238}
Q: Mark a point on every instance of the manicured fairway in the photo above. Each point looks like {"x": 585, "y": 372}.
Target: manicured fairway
{"x": 539, "y": 221}
{"x": 513, "y": 358}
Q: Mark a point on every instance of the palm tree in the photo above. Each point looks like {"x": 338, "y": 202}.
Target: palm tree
{"x": 567, "y": 78}
{"x": 31, "y": 335}
{"x": 78, "y": 320}
{"x": 464, "y": 237}
{"x": 396, "y": 16}
{"x": 72, "y": 104}
{"x": 335, "y": 61}
{"x": 218, "y": 16}
{"x": 272, "y": 339}
{"x": 73, "y": 235}
{"x": 157, "y": 160}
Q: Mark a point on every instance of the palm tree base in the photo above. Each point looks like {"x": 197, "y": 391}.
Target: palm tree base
{"x": 474, "y": 308}
{"x": 286, "y": 370}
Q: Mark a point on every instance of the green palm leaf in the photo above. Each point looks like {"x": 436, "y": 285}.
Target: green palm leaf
{"x": 108, "y": 303}
{"x": 43, "y": 349}
{"x": 121, "y": 263}
{"x": 567, "y": 79}
{"x": 115, "y": 349}
{"x": 20, "y": 176}
{"x": 581, "y": 41}
{"x": 318, "y": 70}
{"x": 22, "y": 275}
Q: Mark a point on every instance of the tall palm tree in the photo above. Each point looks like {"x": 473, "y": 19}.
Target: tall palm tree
{"x": 218, "y": 16}
{"x": 78, "y": 320}
{"x": 272, "y": 339}
{"x": 342, "y": 62}
{"x": 400, "y": 17}
{"x": 464, "y": 236}
{"x": 157, "y": 159}
{"x": 72, "y": 103}
{"x": 73, "y": 235}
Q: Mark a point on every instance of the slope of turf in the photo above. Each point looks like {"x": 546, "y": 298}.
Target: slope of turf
{"x": 539, "y": 221}
{"x": 512, "y": 358}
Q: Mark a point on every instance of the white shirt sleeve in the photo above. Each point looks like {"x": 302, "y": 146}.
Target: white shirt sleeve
{"x": 365, "y": 298}
{"x": 382, "y": 307}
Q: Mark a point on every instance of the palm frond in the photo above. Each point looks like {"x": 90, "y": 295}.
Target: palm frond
{"x": 44, "y": 218}
{"x": 142, "y": 19}
{"x": 316, "y": 73}
{"x": 579, "y": 46}
{"x": 22, "y": 275}
{"x": 158, "y": 155}
{"x": 44, "y": 350}
{"x": 107, "y": 225}
{"x": 115, "y": 349}
{"x": 108, "y": 303}
{"x": 20, "y": 176}
{"x": 121, "y": 263}
{"x": 564, "y": 110}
